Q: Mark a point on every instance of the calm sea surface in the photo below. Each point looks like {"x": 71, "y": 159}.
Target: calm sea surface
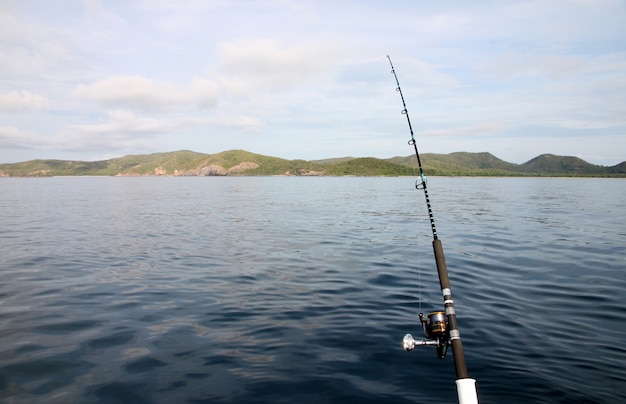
{"x": 280, "y": 289}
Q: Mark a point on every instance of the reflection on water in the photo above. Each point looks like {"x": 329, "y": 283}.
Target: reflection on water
{"x": 300, "y": 289}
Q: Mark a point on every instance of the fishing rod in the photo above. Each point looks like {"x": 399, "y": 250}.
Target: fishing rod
{"x": 440, "y": 327}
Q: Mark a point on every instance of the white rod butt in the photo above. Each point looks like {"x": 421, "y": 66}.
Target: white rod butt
{"x": 466, "y": 389}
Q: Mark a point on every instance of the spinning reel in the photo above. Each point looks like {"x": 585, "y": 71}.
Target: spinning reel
{"x": 435, "y": 329}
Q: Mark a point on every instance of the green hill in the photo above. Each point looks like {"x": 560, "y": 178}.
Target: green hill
{"x": 561, "y": 165}
{"x": 367, "y": 166}
{"x": 460, "y": 163}
{"x": 241, "y": 162}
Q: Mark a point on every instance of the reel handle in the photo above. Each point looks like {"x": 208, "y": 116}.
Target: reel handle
{"x": 409, "y": 343}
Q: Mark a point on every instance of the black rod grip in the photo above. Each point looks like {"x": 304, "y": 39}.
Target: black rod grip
{"x": 457, "y": 346}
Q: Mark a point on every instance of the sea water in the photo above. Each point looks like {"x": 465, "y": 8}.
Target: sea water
{"x": 285, "y": 289}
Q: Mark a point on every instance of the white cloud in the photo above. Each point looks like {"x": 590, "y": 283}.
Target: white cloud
{"x": 123, "y": 130}
{"x": 253, "y": 64}
{"x": 235, "y": 121}
{"x": 178, "y": 17}
{"x": 481, "y": 129}
{"x": 428, "y": 79}
{"x": 20, "y": 101}
{"x": 124, "y": 123}
{"x": 138, "y": 92}
{"x": 28, "y": 48}
{"x": 95, "y": 11}
{"x": 515, "y": 64}
{"x": 167, "y": 6}
{"x": 14, "y": 138}
{"x": 536, "y": 23}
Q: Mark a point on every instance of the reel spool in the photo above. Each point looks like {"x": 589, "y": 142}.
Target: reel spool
{"x": 436, "y": 326}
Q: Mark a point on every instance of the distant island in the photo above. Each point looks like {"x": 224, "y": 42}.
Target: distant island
{"x": 244, "y": 163}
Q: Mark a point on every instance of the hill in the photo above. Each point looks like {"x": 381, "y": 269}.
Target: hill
{"x": 241, "y": 162}
{"x": 460, "y": 163}
{"x": 560, "y": 165}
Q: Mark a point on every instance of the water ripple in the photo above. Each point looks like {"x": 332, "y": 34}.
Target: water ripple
{"x": 285, "y": 289}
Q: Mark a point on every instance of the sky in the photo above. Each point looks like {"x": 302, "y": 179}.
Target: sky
{"x": 303, "y": 79}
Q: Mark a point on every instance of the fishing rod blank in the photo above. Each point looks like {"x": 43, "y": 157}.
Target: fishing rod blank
{"x": 440, "y": 328}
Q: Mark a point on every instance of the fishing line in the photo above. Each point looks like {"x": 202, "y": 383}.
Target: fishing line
{"x": 419, "y": 279}
{"x": 419, "y": 261}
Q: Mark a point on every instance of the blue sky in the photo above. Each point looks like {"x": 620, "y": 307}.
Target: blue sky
{"x": 96, "y": 79}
